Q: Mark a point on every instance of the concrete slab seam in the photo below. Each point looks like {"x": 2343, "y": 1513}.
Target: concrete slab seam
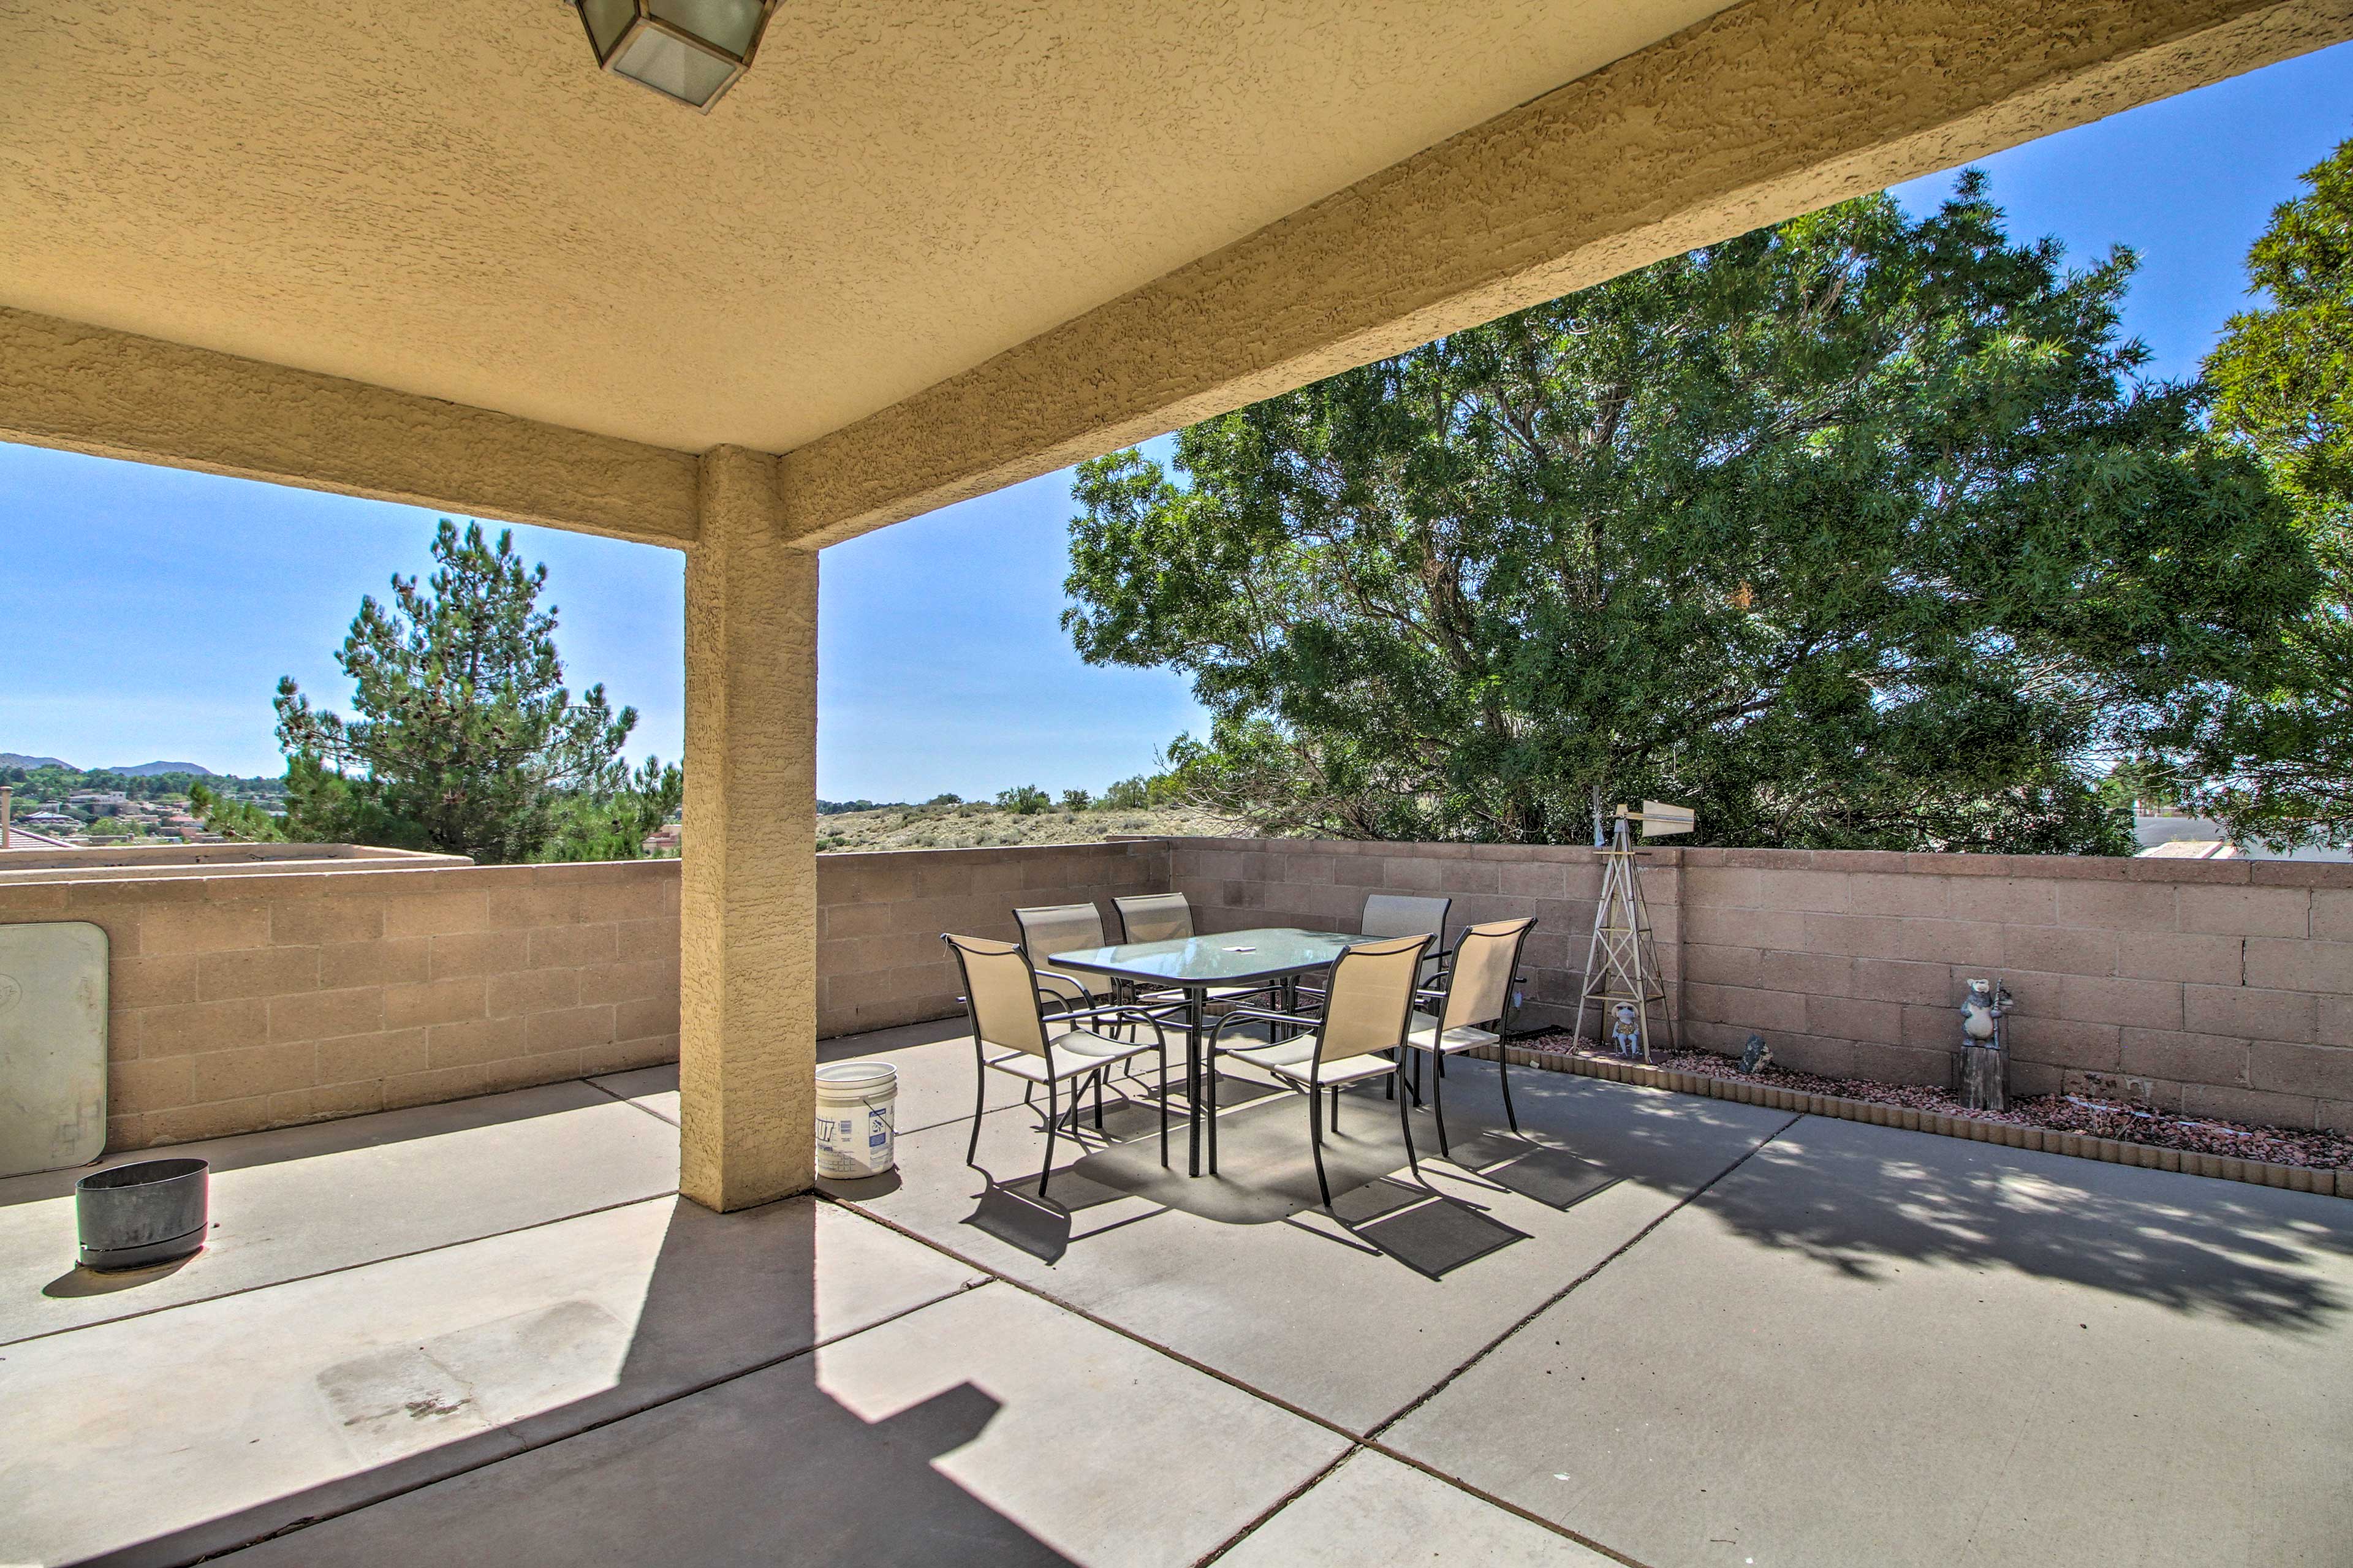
{"x": 342, "y": 1268}
{"x": 1368, "y": 1446}
{"x": 1358, "y": 1442}
{"x": 597, "y": 1426}
{"x": 625, "y": 1100}
{"x": 1120, "y": 1329}
{"x": 1371, "y": 1446}
{"x": 1562, "y": 1294}
{"x": 903, "y": 1131}
{"x": 1277, "y": 1506}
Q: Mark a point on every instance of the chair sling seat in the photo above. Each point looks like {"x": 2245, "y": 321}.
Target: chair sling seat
{"x": 1067, "y": 1055}
{"x": 1291, "y": 1059}
{"x": 1424, "y": 1036}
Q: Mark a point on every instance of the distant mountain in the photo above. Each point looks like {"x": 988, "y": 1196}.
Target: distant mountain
{"x": 148, "y": 770}
{"x": 143, "y": 771}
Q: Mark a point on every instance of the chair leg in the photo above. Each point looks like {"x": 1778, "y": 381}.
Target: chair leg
{"x": 1162, "y": 1054}
{"x": 1316, "y": 1143}
{"x": 1504, "y": 1073}
{"x": 1053, "y": 1120}
{"x": 979, "y": 1103}
{"x": 1099, "y": 1074}
{"x": 1405, "y": 1124}
{"x": 1438, "y": 1101}
{"x": 1210, "y": 1094}
{"x": 1335, "y": 1108}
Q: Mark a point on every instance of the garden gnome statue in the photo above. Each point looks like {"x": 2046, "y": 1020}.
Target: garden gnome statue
{"x": 1984, "y": 1059}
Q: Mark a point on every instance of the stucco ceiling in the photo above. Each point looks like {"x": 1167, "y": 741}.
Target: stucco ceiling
{"x": 446, "y": 198}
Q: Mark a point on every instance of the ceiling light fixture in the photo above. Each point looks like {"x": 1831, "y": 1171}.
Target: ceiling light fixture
{"x": 689, "y": 51}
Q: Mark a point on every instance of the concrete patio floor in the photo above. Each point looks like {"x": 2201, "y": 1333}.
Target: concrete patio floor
{"x": 1658, "y": 1330}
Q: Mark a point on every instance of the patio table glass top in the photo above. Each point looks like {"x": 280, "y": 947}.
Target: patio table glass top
{"x": 1220, "y": 958}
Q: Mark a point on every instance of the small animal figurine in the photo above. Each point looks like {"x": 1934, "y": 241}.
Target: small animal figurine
{"x": 1758, "y": 1056}
{"x": 1985, "y": 1056}
{"x": 1625, "y": 1033}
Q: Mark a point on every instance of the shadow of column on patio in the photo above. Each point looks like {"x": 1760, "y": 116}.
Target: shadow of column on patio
{"x": 714, "y": 1443}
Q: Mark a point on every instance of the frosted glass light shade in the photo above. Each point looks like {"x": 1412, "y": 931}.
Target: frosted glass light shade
{"x": 688, "y": 50}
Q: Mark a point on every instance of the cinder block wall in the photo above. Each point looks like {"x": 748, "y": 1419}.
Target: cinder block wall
{"x": 879, "y": 960}
{"x": 2214, "y": 988}
{"x": 1321, "y": 884}
{"x": 255, "y": 998}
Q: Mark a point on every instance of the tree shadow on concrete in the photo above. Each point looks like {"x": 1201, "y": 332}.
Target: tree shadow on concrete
{"x": 1861, "y": 1199}
{"x": 761, "y": 1465}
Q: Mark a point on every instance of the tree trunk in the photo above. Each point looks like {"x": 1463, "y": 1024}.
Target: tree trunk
{"x": 1985, "y": 1074}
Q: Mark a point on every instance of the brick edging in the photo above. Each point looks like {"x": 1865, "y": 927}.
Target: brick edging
{"x": 2115, "y": 1151}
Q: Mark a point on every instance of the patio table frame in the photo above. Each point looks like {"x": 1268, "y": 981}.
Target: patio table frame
{"x": 1204, "y": 962}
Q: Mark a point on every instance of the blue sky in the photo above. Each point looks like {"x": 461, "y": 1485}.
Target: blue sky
{"x": 149, "y": 613}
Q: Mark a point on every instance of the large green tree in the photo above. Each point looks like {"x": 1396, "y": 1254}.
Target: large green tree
{"x": 2274, "y": 760}
{"x": 463, "y": 737}
{"x": 1857, "y": 531}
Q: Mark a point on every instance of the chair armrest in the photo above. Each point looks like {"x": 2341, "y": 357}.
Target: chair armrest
{"x": 1123, "y": 1012}
{"x": 1260, "y": 1016}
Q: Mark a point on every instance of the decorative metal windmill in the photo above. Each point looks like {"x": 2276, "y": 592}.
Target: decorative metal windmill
{"x": 1621, "y": 967}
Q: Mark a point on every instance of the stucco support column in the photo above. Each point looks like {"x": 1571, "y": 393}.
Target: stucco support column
{"x": 747, "y": 993}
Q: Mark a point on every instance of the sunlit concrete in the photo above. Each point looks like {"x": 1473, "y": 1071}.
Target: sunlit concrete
{"x": 1296, "y": 1314}
{"x": 1661, "y": 1328}
{"x": 1880, "y": 1348}
{"x": 1375, "y": 1510}
{"x": 335, "y": 1195}
{"x": 991, "y": 1428}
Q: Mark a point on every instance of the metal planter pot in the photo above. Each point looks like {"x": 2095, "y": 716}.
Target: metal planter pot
{"x": 143, "y": 1213}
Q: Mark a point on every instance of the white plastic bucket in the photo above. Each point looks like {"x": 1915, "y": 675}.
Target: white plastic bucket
{"x": 854, "y": 1106}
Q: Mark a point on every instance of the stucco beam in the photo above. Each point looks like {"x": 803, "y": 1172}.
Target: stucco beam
{"x": 1768, "y": 110}
{"x": 89, "y": 389}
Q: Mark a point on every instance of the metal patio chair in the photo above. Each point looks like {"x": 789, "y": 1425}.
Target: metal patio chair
{"x": 1167, "y": 916}
{"x": 1012, "y": 1035}
{"x": 1367, "y": 1009}
{"x": 1399, "y": 914}
{"x": 1153, "y": 916}
{"x": 1064, "y": 928}
{"x": 1476, "y": 994}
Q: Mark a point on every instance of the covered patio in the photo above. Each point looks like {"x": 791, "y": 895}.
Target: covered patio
{"x": 1658, "y": 1330}
{"x": 430, "y": 254}
{"x": 434, "y": 255}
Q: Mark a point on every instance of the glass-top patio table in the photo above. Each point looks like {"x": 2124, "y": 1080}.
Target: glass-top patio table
{"x": 1196, "y": 965}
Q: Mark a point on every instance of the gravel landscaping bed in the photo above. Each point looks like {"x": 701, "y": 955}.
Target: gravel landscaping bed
{"x": 2054, "y": 1113}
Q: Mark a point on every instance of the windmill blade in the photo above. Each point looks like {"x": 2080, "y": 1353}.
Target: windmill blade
{"x": 1660, "y": 819}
